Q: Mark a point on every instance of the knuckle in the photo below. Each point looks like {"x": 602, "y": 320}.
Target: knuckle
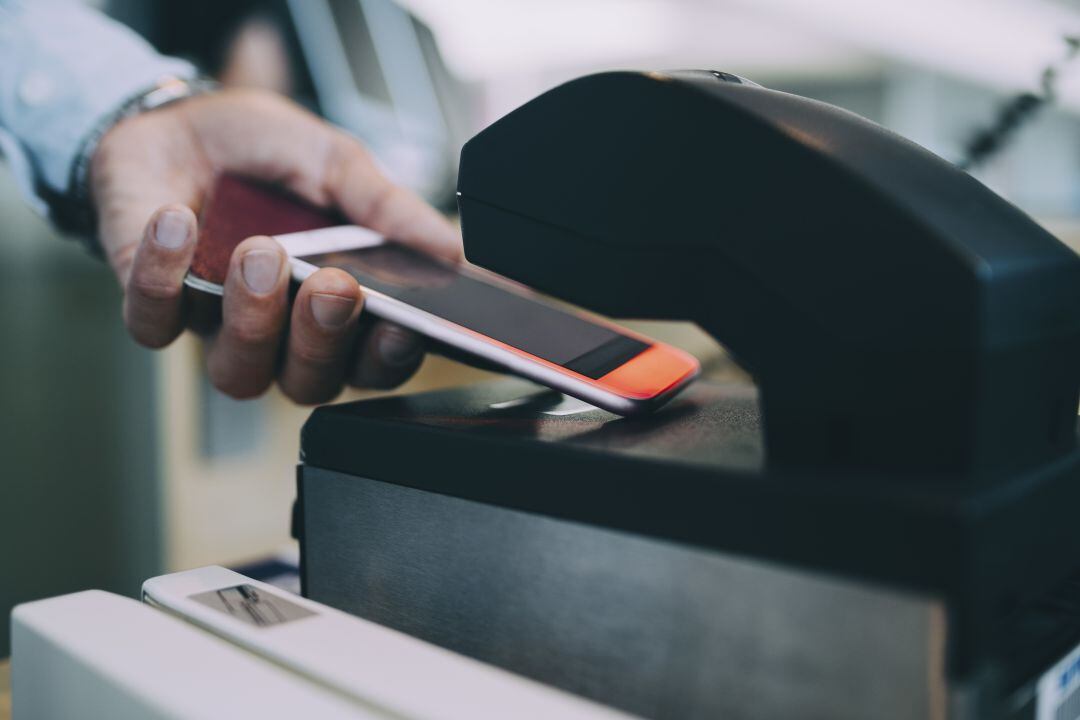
{"x": 316, "y": 355}
{"x": 238, "y": 384}
{"x": 252, "y": 333}
{"x": 153, "y": 290}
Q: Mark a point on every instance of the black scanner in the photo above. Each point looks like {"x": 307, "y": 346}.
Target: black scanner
{"x": 885, "y": 527}
{"x": 895, "y": 313}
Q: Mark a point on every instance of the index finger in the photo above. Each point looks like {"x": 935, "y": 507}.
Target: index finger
{"x": 320, "y": 163}
{"x": 370, "y": 199}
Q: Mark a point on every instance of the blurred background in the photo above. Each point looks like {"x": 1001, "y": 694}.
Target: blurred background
{"x": 119, "y": 463}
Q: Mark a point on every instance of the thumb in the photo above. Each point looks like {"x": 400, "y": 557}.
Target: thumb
{"x": 153, "y": 301}
{"x": 142, "y": 164}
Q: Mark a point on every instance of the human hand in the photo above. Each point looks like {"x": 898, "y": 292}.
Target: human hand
{"x": 150, "y": 171}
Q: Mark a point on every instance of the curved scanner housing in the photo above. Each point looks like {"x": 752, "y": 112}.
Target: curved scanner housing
{"x": 896, "y": 314}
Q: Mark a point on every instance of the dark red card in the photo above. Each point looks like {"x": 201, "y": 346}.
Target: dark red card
{"x": 239, "y": 208}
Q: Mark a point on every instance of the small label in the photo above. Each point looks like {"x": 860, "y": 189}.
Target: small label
{"x": 1059, "y": 690}
{"x": 252, "y": 605}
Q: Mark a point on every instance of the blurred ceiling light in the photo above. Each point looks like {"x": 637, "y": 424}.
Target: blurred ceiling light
{"x": 490, "y": 39}
{"x": 485, "y": 38}
{"x": 1002, "y": 44}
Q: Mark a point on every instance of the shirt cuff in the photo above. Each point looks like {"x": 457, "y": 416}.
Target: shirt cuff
{"x": 63, "y": 69}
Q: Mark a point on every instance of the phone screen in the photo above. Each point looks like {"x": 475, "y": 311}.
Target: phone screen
{"x": 464, "y": 298}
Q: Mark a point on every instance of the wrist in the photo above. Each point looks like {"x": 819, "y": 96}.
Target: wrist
{"x": 73, "y": 211}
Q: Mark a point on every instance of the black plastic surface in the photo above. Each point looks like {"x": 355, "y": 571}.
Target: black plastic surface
{"x": 694, "y": 473}
{"x": 896, "y": 314}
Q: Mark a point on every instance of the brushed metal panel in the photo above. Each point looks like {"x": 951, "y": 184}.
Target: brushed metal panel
{"x": 651, "y": 627}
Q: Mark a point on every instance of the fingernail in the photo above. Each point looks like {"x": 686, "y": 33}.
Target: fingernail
{"x": 398, "y": 346}
{"x": 331, "y": 311}
{"x": 261, "y": 269}
{"x": 171, "y": 230}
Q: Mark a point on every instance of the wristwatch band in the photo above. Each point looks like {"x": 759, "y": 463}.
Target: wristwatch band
{"x": 74, "y": 210}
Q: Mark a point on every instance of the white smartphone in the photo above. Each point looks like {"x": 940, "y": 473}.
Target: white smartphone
{"x": 496, "y": 320}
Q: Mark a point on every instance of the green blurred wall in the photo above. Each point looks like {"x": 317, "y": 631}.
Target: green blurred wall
{"x": 80, "y": 496}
